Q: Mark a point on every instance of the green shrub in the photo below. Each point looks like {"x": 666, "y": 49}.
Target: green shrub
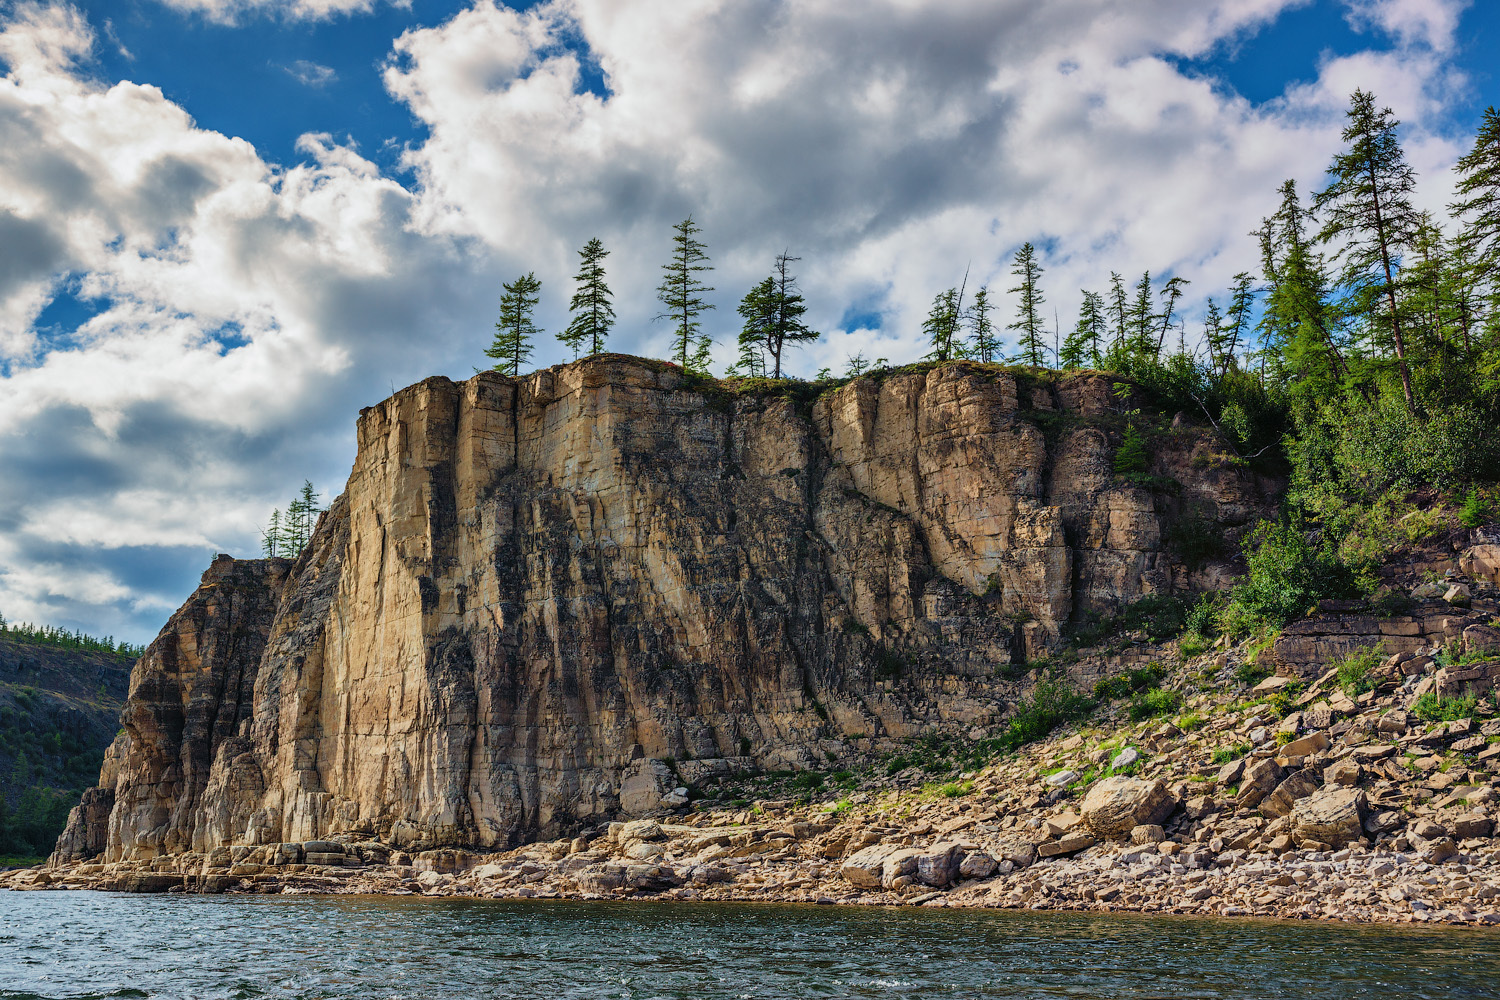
{"x": 1251, "y": 673}
{"x": 955, "y": 789}
{"x": 1285, "y": 575}
{"x": 1051, "y": 704}
{"x": 1475, "y": 510}
{"x": 1126, "y": 684}
{"x": 1430, "y": 708}
{"x": 1354, "y": 670}
{"x": 1191, "y": 722}
{"x": 1150, "y": 704}
{"x": 1282, "y": 702}
{"x": 1225, "y": 755}
{"x": 1133, "y": 456}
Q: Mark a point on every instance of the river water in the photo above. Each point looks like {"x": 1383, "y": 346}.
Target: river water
{"x": 77, "y": 945}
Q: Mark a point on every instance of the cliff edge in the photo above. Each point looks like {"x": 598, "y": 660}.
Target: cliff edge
{"x": 542, "y": 602}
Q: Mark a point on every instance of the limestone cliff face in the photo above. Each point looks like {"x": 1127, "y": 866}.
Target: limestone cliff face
{"x": 533, "y": 590}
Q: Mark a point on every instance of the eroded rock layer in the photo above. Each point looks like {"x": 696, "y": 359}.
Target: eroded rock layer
{"x": 535, "y": 591}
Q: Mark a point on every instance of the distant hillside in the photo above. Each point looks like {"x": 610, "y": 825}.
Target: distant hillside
{"x": 59, "y": 710}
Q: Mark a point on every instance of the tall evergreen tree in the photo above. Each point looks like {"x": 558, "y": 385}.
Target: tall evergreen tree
{"x": 1171, "y": 293}
{"x": 593, "y": 312}
{"x": 1140, "y": 320}
{"x": 787, "y": 309}
{"x": 515, "y": 329}
{"x": 1028, "y": 322}
{"x": 682, "y": 294}
{"x": 1118, "y": 307}
{"x": 941, "y": 326}
{"x": 270, "y": 536}
{"x": 1367, "y": 212}
{"x": 1298, "y": 329}
{"x": 1082, "y": 345}
{"x": 1215, "y": 337}
{"x": 984, "y": 344}
{"x": 1478, "y": 204}
{"x": 1241, "y": 305}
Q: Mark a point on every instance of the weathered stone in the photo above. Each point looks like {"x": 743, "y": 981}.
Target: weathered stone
{"x": 977, "y": 864}
{"x": 1310, "y": 744}
{"x": 1297, "y": 785}
{"x": 1260, "y": 779}
{"x": 534, "y": 591}
{"x": 1129, "y": 757}
{"x": 1472, "y": 825}
{"x": 1114, "y": 806}
{"x": 1148, "y": 833}
{"x": 938, "y": 865}
{"x": 1070, "y": 843}
{"x": 1345, "y": 772}
{"x": 1332, "y": 816}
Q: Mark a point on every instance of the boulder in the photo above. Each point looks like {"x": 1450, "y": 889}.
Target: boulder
{"x": 977, "y": 864}
{"x": 1331, "y": 816}
{"x": 1147, "y": 833}
{"x": 1297, "y": 785}
{"x": 938, "y": 865}
{"x": 1260, "y": 779}
{"x": 1346, "y": 772}
{"x": 1117, "y": 805}
{"x": 1472, "y": 825}
{"x": 878, "y": 865}
{"x": 1309, "y": 744}
{"x": 1128, "y": 757}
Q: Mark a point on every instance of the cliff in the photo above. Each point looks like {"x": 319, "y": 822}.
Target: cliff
{"x": 543, "y": 602}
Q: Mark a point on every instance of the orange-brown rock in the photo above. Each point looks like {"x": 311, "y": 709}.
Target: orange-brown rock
{"x": 536, "y": 591}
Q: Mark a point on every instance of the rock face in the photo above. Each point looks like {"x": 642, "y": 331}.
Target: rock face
{"x": 1117, "y": 805}
{"x": 535, "y": 592}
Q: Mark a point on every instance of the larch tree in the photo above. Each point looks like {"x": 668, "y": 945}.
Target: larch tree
{"x": 1296, "y": 325}
{"x": 984, "y": 345}
{"x": 1478, "y": 204}
{"x": 515, "y": 329}
{"x": 1368, "y": 216}
{"x": 681, "y": 292}
{"x": 1082, "y": 345}
{"x": 1139, "y": 320}
{"x": 1028, "y": 320}
{"x": 1171, "y": 293}
{"x": 941, "y": 326}
{"x": 786, "y": 309}
{"x": 1241, "y": 306}
{"x": 1119, "y": 307}
{"x": 591, "y": 306}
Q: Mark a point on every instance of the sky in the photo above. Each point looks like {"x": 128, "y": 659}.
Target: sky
{"x": 226, "y": 225}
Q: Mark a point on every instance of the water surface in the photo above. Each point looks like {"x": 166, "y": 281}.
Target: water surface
{"x": 75, "y": 945}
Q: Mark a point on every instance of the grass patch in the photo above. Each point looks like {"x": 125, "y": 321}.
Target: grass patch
{"x": 1153, "y": 703}
{"x": 1229, "y": 754}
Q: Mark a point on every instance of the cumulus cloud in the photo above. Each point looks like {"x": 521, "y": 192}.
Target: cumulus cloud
{"x": 891, "y": 145}
{"x": 233, "y": 11}
{"x": 238, "y": 313}
{"x": 235, "y": 313}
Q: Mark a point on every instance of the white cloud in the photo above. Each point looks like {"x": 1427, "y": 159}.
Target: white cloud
{"x": 232, "y": 11}
{"x": 242, "y": 310}
{"x": 311, "y": 74}
{"x": 1432, "y": 23}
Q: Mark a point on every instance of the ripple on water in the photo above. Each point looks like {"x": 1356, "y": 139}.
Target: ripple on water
{"x": 82, "y": 946}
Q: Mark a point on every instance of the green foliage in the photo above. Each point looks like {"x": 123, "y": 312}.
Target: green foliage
{"x": 591, "y": 306}
{"x": 941, "y": 326}
{"x": 1286, "y": 575}
{"x": 1051, "y": 704}
{"x": 1134, "y": 454}
{"x": 772, "y": 312}
{"x": 681, "y": 292}
{"x": 1225, "y": 755}
{"x": 1160, "y": 616}
{"x": 1430, "y": 708}
{"x": 1028, "y": 322}
{"x": 984, "y": 346}
{"x": 1128, "y": 683}
{"x": 515, "y": 329}
{"x": 51, "y": 635}
{"x": 1476, "y": 510}
{"x": 1251, "y": 672}
{"x": 287, "y": 534}
{"x": 1354, "y": 670}
{"x": 1152, "y": 703}
{"x": 1283, "y": 701}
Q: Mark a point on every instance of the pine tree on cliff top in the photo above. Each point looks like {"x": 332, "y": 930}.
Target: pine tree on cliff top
{"x": 1367, "y": 213}
{"x": 1028, "y": 319}
{"x": 941, "y": 326}
{"x": 593, "y": 313}
{"x": 984, "y": 345}
{"x": 773, "y": 312}
{"x": 515, "y": 329}
{"x": 682, "y": 293}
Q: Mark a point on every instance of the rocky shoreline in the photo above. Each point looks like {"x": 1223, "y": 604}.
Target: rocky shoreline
{"x": 1361, "y": 797}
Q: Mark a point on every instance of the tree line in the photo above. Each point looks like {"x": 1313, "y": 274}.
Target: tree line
{"x": 51, "y": 635}
{"x": 772, "y": 311}
{"x": 288, "y": 532}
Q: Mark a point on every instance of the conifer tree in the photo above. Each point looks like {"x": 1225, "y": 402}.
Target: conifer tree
{"x": 773, "y": 312}
{"x": 1140, "y": 319}
{"x": 1171, "y": 292}
{"x": 1241, "y": 305}
{"x": 1478, "y": 204}
{"x": 1214, "y": 336}
{"x": 682, "y": 294}
{"x": 270, "y": 537}
{"x": 515, "y": 329}
{"x": 981, "y": 328}
{"x": 1367, "y": 211}
{"x": 1297, "y": 328}
{"x": 758, "y": 310}
{"x": 1082, "y": 345}
{"x": 1028, "y": 319}
{"x": 1118, "y": 307}
{"x": 941, "y": 326}
{"x": 593, "y": 312}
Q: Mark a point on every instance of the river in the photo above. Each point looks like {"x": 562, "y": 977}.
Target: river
{"x": 77, "y": 945}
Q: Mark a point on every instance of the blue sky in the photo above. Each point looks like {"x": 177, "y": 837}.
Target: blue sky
{"x": 227, "y": 224}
